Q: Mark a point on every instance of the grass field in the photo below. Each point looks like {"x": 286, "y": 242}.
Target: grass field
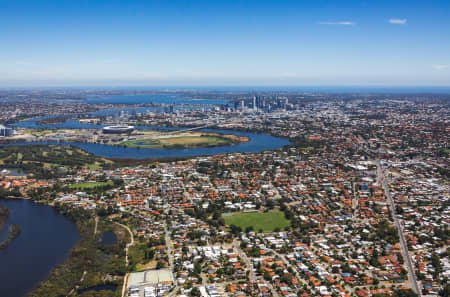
{"x": 267, "y": 221}
{"x": 38, "y": 133}
{"x": 90, "y": 185}
{"x": 177, "y": 141}
{"x": 97, "y": 165}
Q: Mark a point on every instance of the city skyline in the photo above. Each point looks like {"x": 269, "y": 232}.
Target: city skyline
{"x": 237, "y": 43}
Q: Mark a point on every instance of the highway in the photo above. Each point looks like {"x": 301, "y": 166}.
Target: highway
{"x": 411, "y": 275}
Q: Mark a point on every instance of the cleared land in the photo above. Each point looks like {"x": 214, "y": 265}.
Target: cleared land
{"x": 267, "y": 221}
{"x": 184, "y": 141}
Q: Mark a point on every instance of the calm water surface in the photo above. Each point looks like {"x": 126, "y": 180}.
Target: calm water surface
{"x": 45, "y": 242}
{"x": 108, "y": 238}
{"x": 98, "y": 289}
{"x": 257, "y": 143}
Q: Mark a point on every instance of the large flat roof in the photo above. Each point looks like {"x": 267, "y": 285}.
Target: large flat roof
{"x": 149, "y": 277}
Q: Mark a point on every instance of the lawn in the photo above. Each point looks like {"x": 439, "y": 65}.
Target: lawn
{"x": 267, "y": 221}
{"x": 38, "y": 133}
{"x": 91, "y": 185}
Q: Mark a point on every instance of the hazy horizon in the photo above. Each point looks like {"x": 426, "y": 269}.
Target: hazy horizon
{"x": 306, "y": 89}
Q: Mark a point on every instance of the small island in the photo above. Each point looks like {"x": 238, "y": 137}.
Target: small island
{"x": 14, "y": 230}
{"x": 13, "y": 233}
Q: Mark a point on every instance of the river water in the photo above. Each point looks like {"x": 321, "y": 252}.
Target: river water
{"x": 257, "y": 143}
{"x": 45, "y": 242}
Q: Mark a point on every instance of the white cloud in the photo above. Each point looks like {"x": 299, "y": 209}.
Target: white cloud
{"x": 345, "y": 23}
{"x": 398, "y": 21}
{"x": 441, "y": 66}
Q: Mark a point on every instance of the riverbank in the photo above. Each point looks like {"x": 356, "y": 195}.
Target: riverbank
{"x": 250, "y": 143}
{"x": 257, "y": 143}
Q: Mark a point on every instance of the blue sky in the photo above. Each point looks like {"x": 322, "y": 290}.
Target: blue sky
{"x": 156, "y": 42}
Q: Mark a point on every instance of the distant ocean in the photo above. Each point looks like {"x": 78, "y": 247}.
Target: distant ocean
{"x": 309, "y": 89}
{"x": 312, "y": 89}
{"x": 324, "y": 89}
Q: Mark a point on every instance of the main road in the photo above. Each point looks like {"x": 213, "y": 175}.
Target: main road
{"x": 411, "y": 275}
{"x": 171, "y": 260}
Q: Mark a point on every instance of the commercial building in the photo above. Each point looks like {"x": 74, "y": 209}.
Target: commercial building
{"x": 6, "y": 131}
{"x": 150, "y": 283}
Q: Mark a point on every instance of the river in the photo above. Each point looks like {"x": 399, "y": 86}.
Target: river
{"x": 45, "y": 242}
{"x": 257, "y": 142}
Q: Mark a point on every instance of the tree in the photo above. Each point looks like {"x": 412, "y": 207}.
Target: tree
{"x": 436, "y": 262}
{"x": 445, "y": 292}
{"x": 405, "y": 293}
{"x": 159, "y": 265}
{"x": 197, "y": 268}
{"x": 195, "y": 292}
{"x": 235, "y": 229}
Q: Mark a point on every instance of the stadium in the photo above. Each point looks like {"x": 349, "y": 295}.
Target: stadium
{"x": 117, "y": 129}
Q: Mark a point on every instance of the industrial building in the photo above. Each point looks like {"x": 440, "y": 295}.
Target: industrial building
{"x": 150, "y": 283}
